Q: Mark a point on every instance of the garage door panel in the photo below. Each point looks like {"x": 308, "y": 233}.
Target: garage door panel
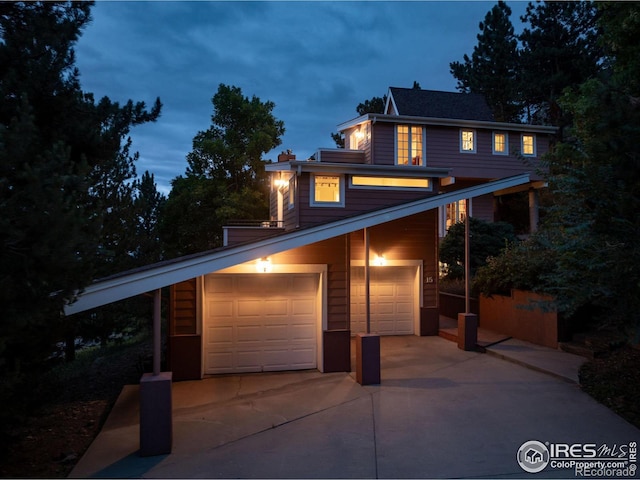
{"x": 248, "y": 333}
{"x": 221, "y": 336}
{"x": 278, "y": 333}
{"x": 303, "y": 306}
{"x": 276, "y": 307}
{"x": 265, "y": 322}
{"x": 303, "y": 332}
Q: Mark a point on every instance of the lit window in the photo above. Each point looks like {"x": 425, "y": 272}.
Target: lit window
{"x": 500, "y": 143}
{"x": 528, "y": 145}
{"x": 292, "y": 191}
{"x": 455, "y": 212}
{"x": 410, "y": 146}
{"x": 468, "y": 141}
{"x": 392, "y": 182}
{"x": 327, "y": 190}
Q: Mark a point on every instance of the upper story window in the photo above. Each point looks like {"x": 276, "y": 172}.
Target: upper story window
{"x": 292, "y": 191}
{"x": 467, "y": 140}
{"x": 528, "y": 146}
{"x": 358, "y": 181}
{"x": 500, "y": 143}
{"x": 359, "y": 137}
{"x": 327, "y": 191}
{"x": 409, "y": 145}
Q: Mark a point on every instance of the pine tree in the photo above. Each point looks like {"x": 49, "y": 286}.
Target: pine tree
{"x": 559, "y": 50}
{"x": 493, "y": 67}
{"x": 64, "y": 174}
{"x": 225, "y": 178}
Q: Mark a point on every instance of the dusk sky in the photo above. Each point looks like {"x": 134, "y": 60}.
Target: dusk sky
{"x": 315, "y": 60}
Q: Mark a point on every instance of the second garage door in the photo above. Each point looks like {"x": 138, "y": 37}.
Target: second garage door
{"x": 392, "y": 294}
{"x": 260, "y": 322}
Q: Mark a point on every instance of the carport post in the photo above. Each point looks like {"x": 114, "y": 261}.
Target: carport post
{"x": 368, "y": 344}
{"x": 467, "y": 321}
{"x": 156, "y": 422}
{"x": 157, "y": 330}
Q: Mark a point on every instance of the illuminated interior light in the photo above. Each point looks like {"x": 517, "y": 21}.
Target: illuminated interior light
{"x": 264, "y": 265}
{"x": 379, "y": 261}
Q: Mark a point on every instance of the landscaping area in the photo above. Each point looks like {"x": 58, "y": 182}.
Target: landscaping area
{"x": 74, "y": 404}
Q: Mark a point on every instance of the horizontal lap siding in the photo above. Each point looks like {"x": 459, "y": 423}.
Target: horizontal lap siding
{"x": 357, "y": 200}
{"x": 383, "y": 144}
{"x": 411, "y": 238}
{"x": 443, "y": 150}
{"x": 183, "y": 308}
{"x": 332, "y": 253}
{"x": 482, "y": 208}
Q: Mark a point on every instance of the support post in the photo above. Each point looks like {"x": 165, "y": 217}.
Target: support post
{"x": 467, "y": 322}
{"x": 367, "y": 282}
{"x": 157, "y": 331}
{"x": 156, "y": 417}
{"x": 367, "y": 345}
{"x": 534, "y": 211}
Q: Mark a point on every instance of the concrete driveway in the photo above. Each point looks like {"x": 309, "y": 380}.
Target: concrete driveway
{"x": 439, "y": 413}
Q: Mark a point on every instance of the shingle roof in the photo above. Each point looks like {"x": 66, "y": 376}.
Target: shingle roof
{"x": 436, "y": 104}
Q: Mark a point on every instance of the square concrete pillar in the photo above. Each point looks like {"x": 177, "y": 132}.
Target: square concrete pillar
{"x": 156, "y": 422}
{"x": 467, "y": 331}
{"x": 367, "y": 359}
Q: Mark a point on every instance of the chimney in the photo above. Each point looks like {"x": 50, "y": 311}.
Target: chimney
{"x": 286, "y": 156}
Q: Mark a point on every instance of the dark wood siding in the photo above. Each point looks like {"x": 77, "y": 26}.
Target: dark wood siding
{"x": 333, "y": 253}
{"x": 183, "y": 308}
{"x": 357, "y": 200}
{"x": 482, "y": 208}
{"x": 443, "y": 150}
{"x": 410, "y": 238}
{"x": 384, "y": 139}
{"x": 237, "y": 235}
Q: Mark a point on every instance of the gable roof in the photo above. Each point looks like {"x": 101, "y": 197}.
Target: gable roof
{"x": 159, "y": 275}
{"x": 436, "y": 104}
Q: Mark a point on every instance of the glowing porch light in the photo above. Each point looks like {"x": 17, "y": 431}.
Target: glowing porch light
{"x": 263, "y": 265}
{"x": 379, "y": 261}
{"x": 280, "y": 182}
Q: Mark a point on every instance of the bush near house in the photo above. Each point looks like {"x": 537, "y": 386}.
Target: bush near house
{"x": 488, "y": 240}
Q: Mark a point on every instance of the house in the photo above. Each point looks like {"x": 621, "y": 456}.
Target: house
{"x": 289, "y": 292}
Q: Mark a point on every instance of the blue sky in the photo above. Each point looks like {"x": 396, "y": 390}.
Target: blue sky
{"x": 315, "y": 60}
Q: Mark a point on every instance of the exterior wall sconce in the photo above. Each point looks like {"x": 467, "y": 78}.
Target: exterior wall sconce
{"x": 279, "y": 182}
{"x": 379, "y": 261}
{"x": 263, "y": 265}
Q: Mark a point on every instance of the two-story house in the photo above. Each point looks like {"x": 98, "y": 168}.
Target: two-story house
{"x": 351, "y": 230}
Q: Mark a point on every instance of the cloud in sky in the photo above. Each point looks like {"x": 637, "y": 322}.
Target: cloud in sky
{"x": 315, "y": 60}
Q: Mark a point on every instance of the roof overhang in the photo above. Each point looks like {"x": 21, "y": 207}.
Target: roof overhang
{"x": 446, "y": 122}
{"x": 300, "y": 166}
{"x": 153, "y": 277}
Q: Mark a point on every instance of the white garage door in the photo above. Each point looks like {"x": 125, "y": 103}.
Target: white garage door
{"x": 260, "y": 322}
{"x": 392, "y": 304}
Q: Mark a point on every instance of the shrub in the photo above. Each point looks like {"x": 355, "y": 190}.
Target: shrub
{"x": 487, "y": 240}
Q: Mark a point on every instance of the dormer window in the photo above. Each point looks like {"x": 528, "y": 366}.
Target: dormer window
{"x": 410, "y": 145}
{"x": 467, "y": 140}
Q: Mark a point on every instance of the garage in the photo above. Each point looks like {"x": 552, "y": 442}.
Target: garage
{"x": 393, "y": 299}
{"x": 260, "y": 322}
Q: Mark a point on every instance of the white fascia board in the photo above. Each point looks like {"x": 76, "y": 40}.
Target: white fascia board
{"x": 165, "y": 274}
{"x": 354, "y": 122}
{"x": 453, "y": 122}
